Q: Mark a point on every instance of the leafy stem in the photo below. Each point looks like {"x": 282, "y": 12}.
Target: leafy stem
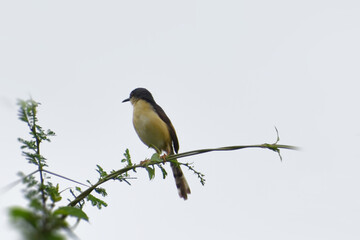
{"x": 157, "y": 160}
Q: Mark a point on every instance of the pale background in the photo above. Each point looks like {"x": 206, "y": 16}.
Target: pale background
{"x": 226, "y": 73}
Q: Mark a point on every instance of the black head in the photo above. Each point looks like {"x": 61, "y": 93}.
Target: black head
{"x": 141, "y": 93}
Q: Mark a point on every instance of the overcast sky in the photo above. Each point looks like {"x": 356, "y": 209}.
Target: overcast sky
{"x": 226, "y": 73}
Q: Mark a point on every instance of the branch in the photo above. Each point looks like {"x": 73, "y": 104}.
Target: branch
{"x": 274, "y": 147}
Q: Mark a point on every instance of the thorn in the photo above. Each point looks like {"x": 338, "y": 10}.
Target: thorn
{"x": 278, "y": 151}
{"x": 277, "y": 135}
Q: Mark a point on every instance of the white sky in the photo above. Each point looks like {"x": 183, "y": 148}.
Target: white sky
{"x": 226, "y": 73}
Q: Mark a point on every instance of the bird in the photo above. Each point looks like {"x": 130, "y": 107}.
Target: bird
{"x": 155, "y": 130}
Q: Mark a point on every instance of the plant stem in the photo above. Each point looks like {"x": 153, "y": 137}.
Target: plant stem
{"x": 274, "y": 147}
{"x": 40, "y": 165}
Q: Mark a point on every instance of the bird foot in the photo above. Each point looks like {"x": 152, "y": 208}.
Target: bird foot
{"x": 163, "y": 157}
{"x": 145, "y": 162}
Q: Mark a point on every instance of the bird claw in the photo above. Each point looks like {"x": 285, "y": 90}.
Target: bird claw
{"x": 163, "y": 157}
{"x": 144, "y": 162}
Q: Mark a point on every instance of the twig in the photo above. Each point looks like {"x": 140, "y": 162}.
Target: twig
{"x": 13, "y": 184}
{"x": 274, "y": 147}
{"x": 66, "y": 178}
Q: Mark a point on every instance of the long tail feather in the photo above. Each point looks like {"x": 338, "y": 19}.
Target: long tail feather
{"x": 180, "y": 180}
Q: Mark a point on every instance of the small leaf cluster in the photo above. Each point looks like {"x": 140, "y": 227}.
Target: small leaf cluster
{"x": 200, "y": 175}
{"x": 43, "y": 222}
{"x": 95, "y": 201}
{"x": 42, "y": 219}
{"x": 31, "y": 148}
{"x": 126, "y": 175}
{"x": 160, "y": 161}
{"x": 104, "y": 176}
{"x": 149, "y": 165}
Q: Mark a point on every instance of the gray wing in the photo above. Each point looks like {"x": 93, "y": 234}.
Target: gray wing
{"x": 171, "y": 128}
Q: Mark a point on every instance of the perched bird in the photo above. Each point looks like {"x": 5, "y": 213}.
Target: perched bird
{"x": 155, "y": 130}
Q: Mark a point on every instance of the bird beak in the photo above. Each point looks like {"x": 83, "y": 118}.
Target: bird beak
{"x": 126, "y": 100}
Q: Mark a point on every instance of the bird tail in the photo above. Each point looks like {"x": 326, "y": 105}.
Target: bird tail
{"x": 180, "y": 180}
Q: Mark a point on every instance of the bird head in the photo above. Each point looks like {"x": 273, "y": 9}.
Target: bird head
{"x": 140, "y": 93}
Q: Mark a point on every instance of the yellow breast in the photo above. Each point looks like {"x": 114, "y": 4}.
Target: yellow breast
{"x": 150, "y": 128}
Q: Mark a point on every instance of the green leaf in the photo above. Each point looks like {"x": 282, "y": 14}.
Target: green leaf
{"x": 101, "y": 191}
{"x": 151, "y": 172}
{"x": 127, "y": 158}
{"x": 101, "y": 171}
{"x": 156, "y": 157}
{"x": 164, "y": 173}
{"x": 71, "y": 211}
{"x": 96, "y": 201}
{"x": 18, "y": 213}
{"x": 53, "y": 192}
